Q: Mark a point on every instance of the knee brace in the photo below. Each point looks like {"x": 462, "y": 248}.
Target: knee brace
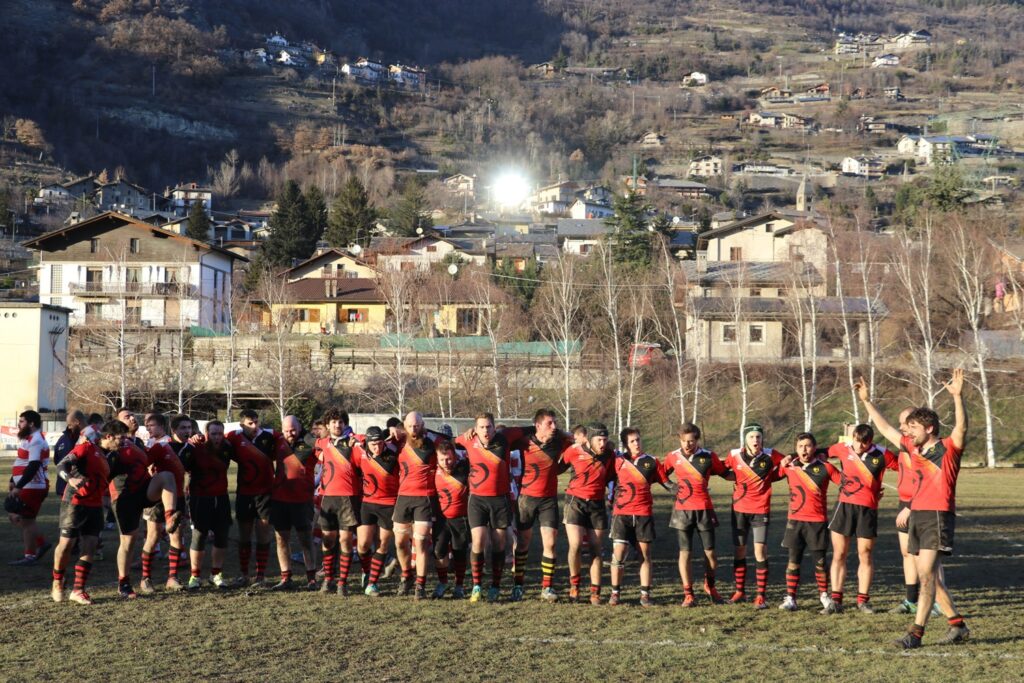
{"x": 420, "y": 537}
{"x": 616, "y": 563}
{"x": 198, "y": 541}
{"x": 819, "y": 560}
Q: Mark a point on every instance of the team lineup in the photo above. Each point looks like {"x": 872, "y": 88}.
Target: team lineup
{"x": 472, "y": 502}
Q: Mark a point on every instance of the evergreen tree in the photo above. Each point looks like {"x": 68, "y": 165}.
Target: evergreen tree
{"x": 630, "y": 239}
{"x": 352, "y": 218}
{"x": 198, "y": 227}
{"x": 289, "y": 229}
{"x": 316, "y": 211}
{"x": 411, "y": 212}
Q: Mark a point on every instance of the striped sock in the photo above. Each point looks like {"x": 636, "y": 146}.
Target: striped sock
{"x": 519, "y": 566}
{"x": 688, "y": 590}
{"x": 262, "y": 553}
{"x": 863, "y": 598}
{"x": 821, "y": 576}
{"x": 376, "y": 566}
{"x": 837, "y": 597}
{"x": 58, "y": 575}
{"x": 762, "y": 577}
{"x": 147, "y": 564}
{"x": 82, "y": 574}
{"x": 329, "y": 561}
{"x": 574, "y": 581}
{"x": 739, "y": 571}
{"x": 497, "y": 567}
{"x": 477, "y": 565}
{"x": 344, "y": 563}
{"x": 173, "y": 560}
{"x": 460, "y": 567}
{"x": 421, "y": 581}
{"x": 286, "y": 575}
{"x": 364, "y": 561}
{"x": 792, "y": 582}
{"x": 547, "y": 570}
{"x": 244, "y": 553}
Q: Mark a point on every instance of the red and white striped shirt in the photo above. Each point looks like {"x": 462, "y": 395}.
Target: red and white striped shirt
{"x": 33, "y": 449}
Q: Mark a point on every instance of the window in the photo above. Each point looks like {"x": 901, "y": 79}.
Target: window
{"x": 133, "y": 313}
{"x": 94, "y": 246}
{"x": 467, "y": 320}
{"x": 735, "y": 253}
{"x": 353, "y": 315}
{"x": 408, "y": 265}
{"x": 93, "y": 313}
{"x": 431, "y": 248}
{"x": 56, "y": 278}
{"x": 755, "y": 333}
{"x": 769, "y": 227}
{"x": 755, "y": 291}
{"x": 584, "y": 249}
{"x": 309, "y": 315}
{"x": 133, "y": 245}
{"x": 796, "y": 252}
{"x": 728, "y": 334}
{"x": 132, "y": 278}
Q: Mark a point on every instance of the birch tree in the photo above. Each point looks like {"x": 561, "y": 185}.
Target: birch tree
{"x": 279, "y": 318}
{"x": 399, "y": 289}
{"x": 804, "y": 307}
{"x": 669, "y": 323}
{"x": 558, "y": 309}
{"x": 609, "y": 302}
{"x": 912, "y": 263}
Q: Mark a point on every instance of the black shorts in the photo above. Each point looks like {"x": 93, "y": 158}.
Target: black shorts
{"x": 409, "y": 509}
{"x": 492, "y": 511}
{"x": 532, "y": 509}
{"x": 743, "y": 523}
{"x": 79, "y": 520}
{"x": 800, "y": 536}
{"x": 687, "y": 522}
{"x": 589, "y": 514}
{"x": 451, "y": 534}
{"x": 900, "y": 507}
{"x": 375, "y": 514}
{"x": 249, "y": 508}
{"x": 285, "y": 516}
{"x": 854, "y": 520}
{"x": 210, "y": 513}
{"x": 632, "y": 529}
{"x": 128, "y": 511}
{"x": 931, "y": 530}
{"x": 340, "y": 512}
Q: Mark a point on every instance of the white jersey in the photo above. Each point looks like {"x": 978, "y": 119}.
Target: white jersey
{"x": 32, "y": 449}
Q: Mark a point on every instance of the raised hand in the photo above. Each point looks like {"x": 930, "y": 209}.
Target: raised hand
{"x": 862, "y": 389}
{"x": 955, "y": 385}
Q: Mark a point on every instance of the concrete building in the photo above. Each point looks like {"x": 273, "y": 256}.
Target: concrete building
{"x": 34, "y": 339}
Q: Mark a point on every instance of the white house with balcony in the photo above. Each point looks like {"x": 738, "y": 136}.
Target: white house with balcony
{"x": 114, "y": 269}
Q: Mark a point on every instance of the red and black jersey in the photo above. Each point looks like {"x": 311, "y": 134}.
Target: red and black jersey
{"x": 752, "y": 490}
{"x": 379, "y": 474}
{"x": 207, "y": 467}
{"x": 633, "y": 479}
{"x": 862, "y": 474}
{"x": 808, "y": 489}
{"x": 453, "y": 489}
{"x": 417, "y": 463}
{"x": 86, "y": 461}
{"x": 935, "y": 471}
{"x": 542, "y": 462}
{"x": 255, "y": 458}
{"x": 129, "y": 470}
{"x": 295, "y": 472}
{"x": 905, "y": 477}
{"x": 692, "y": 474}
{"x": 490, "y": 474}
{"x": 164, "y": 459}
{"x": 591, "y": 472}
{"x": 340, "y": 476}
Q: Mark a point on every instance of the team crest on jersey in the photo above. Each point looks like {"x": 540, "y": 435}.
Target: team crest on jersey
{"x": 874, "y": 461}
{"x": 762, "y": 465}
{"x": 701, "y": 460}
{"x": 815, "y": 469}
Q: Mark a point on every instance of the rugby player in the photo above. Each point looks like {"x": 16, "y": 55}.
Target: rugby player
{"x": 207, "y": 463}
{"x": 291, "y": 501}
{"x": 162, "y": 458}
{"x": 341, "y": 487}
{"x": 378, "y": 465}
{"x": 808, "y": 475}
{"x": 754, "y": 469}
{"x": 863, "y": 465}
{"x": 29, "y": 485}
{"x": 693, "y": 512}
{"x": 416, "y": 504}
{"x": 452, "y": 534}
{"x": 633, "y": 512}
{"x": 931, "y": 519}
{"x": 585, "y": 516}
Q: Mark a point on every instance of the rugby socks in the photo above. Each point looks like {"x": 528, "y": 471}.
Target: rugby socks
{"x": 244, "y": 554}
{"x": 364, "y": 561}
{"x": 762, "y": 577}
{"x": 262, "y": 553}
{"x": 459, "y": 560}
{"x": 58, "y": 575}
{"x": 330, "y": 555}
{"x": 197, "y": 571}
{"x": 863, "y": 598}
{"x": 688, "y": 590}
{"x": 421, "y": 581}
{"x": 792, "y": 582}
{"x": 147, "y": 564}
{"x": 595, "y": 589}
{"x": 286, "y": 575}
{"x": 82, "y": 569}
{"x": 547, "y": 570}
{"x": 477, "y": 565}
{"x": 173, "y": 559}
{"x": 821, "y": 576}
{"x": 956, "y": 621}
{"x": 214, "y": 571}
{"x": 519, "y": 566}
{"x": 913, "y": 592}
{"x": 574, "y": 581}
{"x": 740, "y": 574}
{"x": 442, "y": 574}
{"x": 709, "y": 577}
{"x": 376, "y": 566}
{"x": 837, "y": 597}
{"x": 497, "y": 567}
{"x": 344, "y": 563}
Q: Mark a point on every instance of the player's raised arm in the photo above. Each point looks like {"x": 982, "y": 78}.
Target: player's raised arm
{"x": 892, "y": 434}
{"x": 955, "y": 387}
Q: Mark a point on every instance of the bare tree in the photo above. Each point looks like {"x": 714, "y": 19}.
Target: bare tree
{"x": 844, "y": 317}
{"x": 737, "y": 284}
{"x": 912, "y": 264}
{"x": 609, "y": 297}
{"x": 971, "y": 258}
{"x": 280, "y": 316}
{"x": 400, "y": 290}
{"x": 804, "y": 305}
{"x": 639, "y": 313}
{"x": 559, "y": 307}
{"x": 669, "y": 324}
{"x": 496, "y": 321}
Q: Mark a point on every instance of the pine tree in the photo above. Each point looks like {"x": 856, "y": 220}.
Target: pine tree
{"x": 411, "y": 212}
{"x": 316, "y": 211}
{"x": 198, "y": 227}
{"x": 630, "y": 239}
{"x": 289, "y": 228}
{"x": 352, "y": 218}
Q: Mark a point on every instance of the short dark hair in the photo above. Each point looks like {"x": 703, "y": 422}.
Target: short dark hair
{"x": 484, "y": 416}
{"x": 926, "y": 417}
{"x": 159, "y": 418}
{"x": 863, "y": 433}
{"x": 393, "y": 422}
{"x": 542, "y": 413}
{"x": 335, "y": 413}
{"x": 95, "y": 419}
{"x": 178, "y": 419}
{"x": 443, "y": 445}
{"x": 689, "y": 428}
{"x": 33, "y": 418}
{"x": 580, "y": 429}
{"x": 249, "y": 414}
{"x": 114, "y": 428}
{"x": 212, "y": 423}
{"x": 806, "y": 436}
{"x": 626, "y": 433}
{"x": 123, "y": 409}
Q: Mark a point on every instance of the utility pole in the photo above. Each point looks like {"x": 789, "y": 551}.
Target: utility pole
{"x": 154, "y": 80}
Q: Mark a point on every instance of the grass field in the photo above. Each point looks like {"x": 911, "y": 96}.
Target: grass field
{"x": 301, "y": 636}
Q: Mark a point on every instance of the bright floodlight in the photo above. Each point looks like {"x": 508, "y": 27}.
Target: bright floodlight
{"x": 511, "y": 189}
